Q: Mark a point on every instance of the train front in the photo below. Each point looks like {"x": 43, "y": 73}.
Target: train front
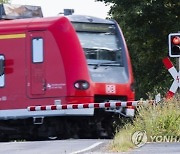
{"x": 107, "y": 59}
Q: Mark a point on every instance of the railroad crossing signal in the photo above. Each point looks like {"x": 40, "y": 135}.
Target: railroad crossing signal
{"x": 176, "y": 76}
{"x": 174, "y": 44}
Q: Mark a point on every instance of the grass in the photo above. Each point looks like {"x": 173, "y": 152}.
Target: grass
{"x": 160, "y": 120}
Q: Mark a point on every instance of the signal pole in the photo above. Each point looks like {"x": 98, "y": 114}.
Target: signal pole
{"x": 178, "y": 63}
{"x": 178, "y": 69}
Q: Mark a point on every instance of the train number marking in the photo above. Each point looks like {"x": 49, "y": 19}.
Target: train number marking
{"x": 110, "y": 89}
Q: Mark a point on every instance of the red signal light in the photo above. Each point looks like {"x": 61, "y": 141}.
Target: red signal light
{"x": 174, "y": 44}
{"x": 176, "y": 40}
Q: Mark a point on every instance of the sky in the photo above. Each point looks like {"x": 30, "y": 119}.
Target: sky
{"x": 82, "y": 7}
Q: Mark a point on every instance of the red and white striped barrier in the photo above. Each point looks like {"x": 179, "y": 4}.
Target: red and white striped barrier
{"x": 176, "y": 76}
{"x": 83, "y": 106}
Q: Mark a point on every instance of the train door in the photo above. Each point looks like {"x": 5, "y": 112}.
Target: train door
{"x": 36, "y": 81}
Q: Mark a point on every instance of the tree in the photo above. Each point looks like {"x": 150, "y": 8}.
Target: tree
{"x": 146, "y": 25}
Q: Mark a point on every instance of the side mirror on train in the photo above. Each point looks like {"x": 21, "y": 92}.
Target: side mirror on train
{"x": 1, "y": 67}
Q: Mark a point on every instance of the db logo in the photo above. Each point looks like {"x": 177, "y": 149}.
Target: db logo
{"x": 110, "y": 89}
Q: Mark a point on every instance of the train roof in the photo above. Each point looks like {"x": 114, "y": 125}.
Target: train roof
{"x": 28, "y": 24}
{"x": 88, "y": 19}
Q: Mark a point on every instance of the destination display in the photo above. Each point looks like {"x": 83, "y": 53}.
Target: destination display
{"x": 86, "y": 27}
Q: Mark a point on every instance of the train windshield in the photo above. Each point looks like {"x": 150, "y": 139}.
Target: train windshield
{"x": 100, "y": 43}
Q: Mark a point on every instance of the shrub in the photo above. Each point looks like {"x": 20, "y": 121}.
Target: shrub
{"x": 162, "y": 119}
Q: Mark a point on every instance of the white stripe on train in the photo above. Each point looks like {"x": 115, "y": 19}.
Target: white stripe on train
{"x": 24, "y": 113}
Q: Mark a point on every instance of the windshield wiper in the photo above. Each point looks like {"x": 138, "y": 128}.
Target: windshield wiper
{"x": 113, "y": 63}
{"x": 101, "y": 49}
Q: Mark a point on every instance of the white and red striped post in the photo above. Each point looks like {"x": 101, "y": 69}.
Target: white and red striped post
{"x": 83, "y": 106}
{"x": 176, "y": 76}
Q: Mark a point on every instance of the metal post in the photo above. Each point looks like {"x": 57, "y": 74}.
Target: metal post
{"x": 178, "y": 64}
{"x": 178, "y": 69}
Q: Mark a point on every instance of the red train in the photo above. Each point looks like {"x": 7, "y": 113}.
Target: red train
{"x": 49, "y": 62}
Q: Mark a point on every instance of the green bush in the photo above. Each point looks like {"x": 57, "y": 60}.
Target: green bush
{"x": 157, "y": 120}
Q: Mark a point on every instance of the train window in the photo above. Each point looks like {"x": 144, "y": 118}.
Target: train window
{"x": 37, "y": 50}
{"x": 2, "y": 76}
{"x": 101, "y": 46}
{"x": 98, "y": 40}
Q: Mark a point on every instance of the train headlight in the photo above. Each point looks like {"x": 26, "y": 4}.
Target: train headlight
{"x": 81, "y": 85}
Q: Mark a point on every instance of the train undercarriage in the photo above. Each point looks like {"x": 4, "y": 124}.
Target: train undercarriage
{"x": 101, "y": 125}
